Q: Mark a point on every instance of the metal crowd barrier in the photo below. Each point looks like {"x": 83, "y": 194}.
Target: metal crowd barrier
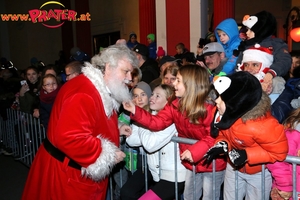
{"x": 23, "y": 134}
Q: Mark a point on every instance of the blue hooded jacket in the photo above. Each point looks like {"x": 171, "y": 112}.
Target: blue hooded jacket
{"x": 230, "y": 27}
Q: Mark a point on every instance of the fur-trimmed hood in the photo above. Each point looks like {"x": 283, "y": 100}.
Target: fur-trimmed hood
{"x": 260, "y": 110}
{"x": 96, "y": 77}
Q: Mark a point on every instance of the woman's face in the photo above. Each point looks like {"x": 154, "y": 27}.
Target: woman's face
{"x": 158, "y": 100}
{"x": 295, "y": 63}
{"x": 32, "y": 76}
{"x": 169, "y": 79}
{"x": 140, "y": 97}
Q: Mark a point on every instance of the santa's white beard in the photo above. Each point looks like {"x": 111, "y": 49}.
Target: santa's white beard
{"x": 119, "y": 90}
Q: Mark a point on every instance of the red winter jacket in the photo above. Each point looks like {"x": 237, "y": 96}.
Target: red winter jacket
{"x": 200, "y": 132}
{"x": 262, "y": 138}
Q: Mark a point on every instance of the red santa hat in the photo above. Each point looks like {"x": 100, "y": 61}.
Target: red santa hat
{"x": 260, "y": 54}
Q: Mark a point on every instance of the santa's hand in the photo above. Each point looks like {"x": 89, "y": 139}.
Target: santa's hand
{"x": 238, "y": 157}
{"x": 129, "y": 106}
{"x": 219, "y": 148}
{"x": 125, "y": 130}
{"x": 120, "y": 155}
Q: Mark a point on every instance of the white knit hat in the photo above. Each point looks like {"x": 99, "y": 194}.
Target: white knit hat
{"x": 260, "y": 54}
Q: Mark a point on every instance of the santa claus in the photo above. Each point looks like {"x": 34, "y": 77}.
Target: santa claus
{"x": 81, "y": 147}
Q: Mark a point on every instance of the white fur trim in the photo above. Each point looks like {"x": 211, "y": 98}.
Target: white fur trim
{"x": 104, "y": 163}
{"x": 222, "y": 84}
{"x": 257, "y": 55}
{"x": 250, "y": 21}
{"x": 96, "y": 77}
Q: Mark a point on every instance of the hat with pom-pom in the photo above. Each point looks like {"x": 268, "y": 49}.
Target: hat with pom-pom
{"x": 241, "y": 92}
{"x": 160, "y": 51}
{"x": 260, "y": 54}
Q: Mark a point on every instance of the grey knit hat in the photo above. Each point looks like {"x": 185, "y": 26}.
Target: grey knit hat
{"x": 145, "y": 87}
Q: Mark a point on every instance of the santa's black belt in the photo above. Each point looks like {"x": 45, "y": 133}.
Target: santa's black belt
{"x": 56, "y": 153}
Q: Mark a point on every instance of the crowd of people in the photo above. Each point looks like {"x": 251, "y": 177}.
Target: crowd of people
{"x": 238, "y": 96}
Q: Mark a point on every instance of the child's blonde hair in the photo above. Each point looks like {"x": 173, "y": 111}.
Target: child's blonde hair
{"x": 169, "y": 91}
{"x": 197, "y": 87}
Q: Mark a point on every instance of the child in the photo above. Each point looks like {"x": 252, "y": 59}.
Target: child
{"x": 151, "y": 46}
{"x": 282, "y": 172}
{"x": 160, "y": 53}
{"x": 227, "y": 34}
{"x": 48, "y": 93}
{"x": 191, "y": 112}
{"x": 135, "y": 185}
{"x": 247, "y": 133}
{"x": 132, "y": 41}
{"x": 261, "y": 28}
{"x": 141, "y": 94}
{"x": 156, "y": 143}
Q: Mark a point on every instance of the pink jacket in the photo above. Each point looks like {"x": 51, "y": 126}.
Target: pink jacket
{"x": 282, "y": 172}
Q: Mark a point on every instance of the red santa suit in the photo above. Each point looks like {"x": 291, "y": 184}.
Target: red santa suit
{"x": 83, "y": 126}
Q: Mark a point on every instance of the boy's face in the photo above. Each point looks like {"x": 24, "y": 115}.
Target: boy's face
{"x": 250, "y": 34}
{"x": 252, "y": 67}
{"x": 220, "y": 105}
{"x": 140, "y": 97}
{"x": 223, "y": 37}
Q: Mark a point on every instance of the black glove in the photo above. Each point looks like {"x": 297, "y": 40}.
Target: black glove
{"x": 213, "y": 152}
{"x": 238, "y": 157}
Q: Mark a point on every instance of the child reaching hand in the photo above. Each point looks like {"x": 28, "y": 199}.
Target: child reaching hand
{"x": 191, "y": 112}
{"x": 160, "y": 151}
